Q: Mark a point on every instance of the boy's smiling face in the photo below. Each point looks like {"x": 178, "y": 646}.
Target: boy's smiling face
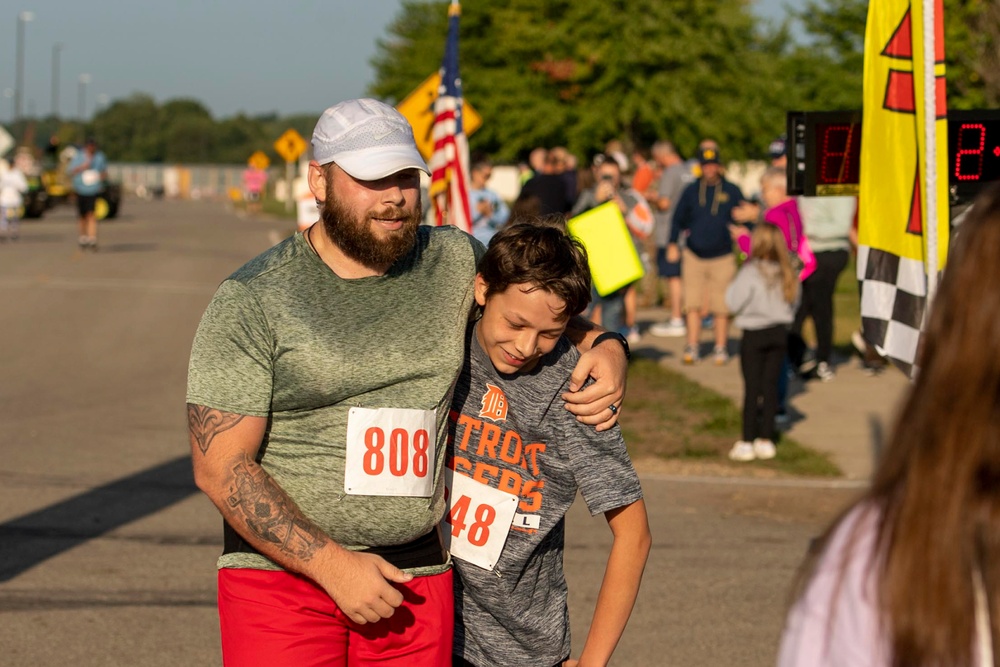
{"x": 519, "y": 325}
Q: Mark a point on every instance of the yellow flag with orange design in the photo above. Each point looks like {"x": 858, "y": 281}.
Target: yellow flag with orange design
{"x": 892, "y": 214}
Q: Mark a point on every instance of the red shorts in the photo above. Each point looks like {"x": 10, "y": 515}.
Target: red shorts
{"x": 279, "y": 618}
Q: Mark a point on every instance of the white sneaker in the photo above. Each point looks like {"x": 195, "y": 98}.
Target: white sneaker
{"x": 633, "y": 335}
{"x": 764, "y": 449}
{"x": 742, "y": 451}
{"x": 720, "y": 356}
{"x": 690, "y": 355}
{"x": 672, "y": 328}
{"x": 824, "y": 372}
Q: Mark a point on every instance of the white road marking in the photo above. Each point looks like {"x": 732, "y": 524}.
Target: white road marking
{"x": 114, "y": 284}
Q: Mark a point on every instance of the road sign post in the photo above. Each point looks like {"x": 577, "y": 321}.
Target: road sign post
{"x": 290, "y": 146}
{"x": 259, "y": 160}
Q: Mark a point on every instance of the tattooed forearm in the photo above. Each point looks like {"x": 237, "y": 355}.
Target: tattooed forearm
{"x": 206, "y": 423}
{"x": 270, "y": 514}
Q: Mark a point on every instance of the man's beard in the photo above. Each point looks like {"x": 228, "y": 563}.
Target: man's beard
{"x": 357, "y": 240}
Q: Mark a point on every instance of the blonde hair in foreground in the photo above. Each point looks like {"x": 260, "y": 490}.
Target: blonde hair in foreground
{"x": 768, "y": 243}
{"x": 937, "y": 486}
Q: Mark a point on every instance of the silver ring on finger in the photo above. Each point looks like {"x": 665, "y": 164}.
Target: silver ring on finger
{"x": 613, "y": 408}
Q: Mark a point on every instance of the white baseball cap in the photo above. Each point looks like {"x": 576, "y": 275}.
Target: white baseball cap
{"x": 366, "y": 138}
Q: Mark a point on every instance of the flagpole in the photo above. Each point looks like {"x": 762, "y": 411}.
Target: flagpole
{"x": 930, "y": 149}
{"x": 449, "y": 163}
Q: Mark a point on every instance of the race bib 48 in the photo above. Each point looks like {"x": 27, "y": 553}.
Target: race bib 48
{"x": 477, "y": 521}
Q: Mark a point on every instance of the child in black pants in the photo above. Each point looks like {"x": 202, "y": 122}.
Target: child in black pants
{"x": 763, "y": 297}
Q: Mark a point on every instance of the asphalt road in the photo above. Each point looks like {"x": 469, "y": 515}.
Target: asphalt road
{"x": 107, "y": 550}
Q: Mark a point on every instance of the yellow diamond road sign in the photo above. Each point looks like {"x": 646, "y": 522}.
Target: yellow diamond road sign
{"x": 259, "y": 160}
{"x": 290, "y": 145}
{"x": 418, "y": 108}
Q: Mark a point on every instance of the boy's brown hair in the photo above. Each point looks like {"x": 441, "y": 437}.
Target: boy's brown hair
{"x": 541, "y": 253}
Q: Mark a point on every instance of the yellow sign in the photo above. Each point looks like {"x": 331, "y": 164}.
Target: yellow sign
{"x": 614, "y": 263}
{"x": 418, "y": 108}
{"x": 259, "y": 160}
{"x": 290, "y": 145}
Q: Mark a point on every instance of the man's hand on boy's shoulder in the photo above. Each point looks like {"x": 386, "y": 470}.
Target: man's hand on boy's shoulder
{"x": 598, "y": 404}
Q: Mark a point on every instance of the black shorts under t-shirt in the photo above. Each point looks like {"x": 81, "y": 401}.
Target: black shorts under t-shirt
{"x": 85, "y": 204}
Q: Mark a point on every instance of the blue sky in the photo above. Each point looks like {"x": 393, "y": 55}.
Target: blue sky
{"x": 254, "y": 56}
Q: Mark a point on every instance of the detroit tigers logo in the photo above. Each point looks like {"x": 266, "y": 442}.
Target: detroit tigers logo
{"x": 494, "y": 404}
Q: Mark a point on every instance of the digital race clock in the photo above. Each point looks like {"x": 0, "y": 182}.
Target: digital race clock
{"x": 973, "y": 150}
{"x": 824, "y": 152}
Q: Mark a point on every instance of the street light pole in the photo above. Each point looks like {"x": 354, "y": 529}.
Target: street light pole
{"x": 8, "y": 94}
{"x": 81, "y": 103}
{"x": 56, "y": 50}
{"x": 22, "y": 18}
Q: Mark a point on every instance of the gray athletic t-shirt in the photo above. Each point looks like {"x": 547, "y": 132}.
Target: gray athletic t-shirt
{"x": 517, "y": 614}
{"x": 287, "y": 339}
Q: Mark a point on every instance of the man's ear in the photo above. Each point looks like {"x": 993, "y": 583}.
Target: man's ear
{"x": 317, "y": 181}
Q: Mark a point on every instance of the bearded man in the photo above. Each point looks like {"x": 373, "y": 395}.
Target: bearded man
{"x": 319, "y": 388}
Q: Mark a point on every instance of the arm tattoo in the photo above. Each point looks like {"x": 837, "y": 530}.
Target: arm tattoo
{"x": 270, "y": 514}
{"x": 206, "y": 423}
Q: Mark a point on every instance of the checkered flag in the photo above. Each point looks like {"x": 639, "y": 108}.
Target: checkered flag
{"x": 893, "y": 301}
{"x": 903, "y": 188}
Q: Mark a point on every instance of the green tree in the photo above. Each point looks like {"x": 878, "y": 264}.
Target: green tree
{"x": 236, "y": 139}
{"x": 551, "y": 72}
{"x": 188, "y": 132}
{"x": 579, "y": 73}
{"x": 972, "y": 53}
{"x": 130, "y": 130}
{"x": 826, "y": 72}
{"x": 190, "y": 140}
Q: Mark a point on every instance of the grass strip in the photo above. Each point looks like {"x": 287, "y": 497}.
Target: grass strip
{"x": 669, "y": 416}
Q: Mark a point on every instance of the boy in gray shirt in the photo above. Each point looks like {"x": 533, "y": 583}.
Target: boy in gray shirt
{"x": 516, "y": 461}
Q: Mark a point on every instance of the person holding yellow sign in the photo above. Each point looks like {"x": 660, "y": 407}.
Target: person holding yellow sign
{"x": 639, "y": 219}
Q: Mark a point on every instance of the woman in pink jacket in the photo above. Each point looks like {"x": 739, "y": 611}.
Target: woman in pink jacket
{"x": 910, "y": 574}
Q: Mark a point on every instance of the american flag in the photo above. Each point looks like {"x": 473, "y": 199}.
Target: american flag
{"x": 449, "y": 162}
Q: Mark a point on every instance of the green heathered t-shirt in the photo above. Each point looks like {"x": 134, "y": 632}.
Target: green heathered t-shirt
{"x": 286, "y": 338}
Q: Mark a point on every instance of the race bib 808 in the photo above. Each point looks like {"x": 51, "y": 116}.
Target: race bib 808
{"x": 390, "y": 452}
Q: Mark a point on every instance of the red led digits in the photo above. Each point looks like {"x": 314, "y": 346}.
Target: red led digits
{"x": 978, "y": 151}
{"x": 837, "y": 136}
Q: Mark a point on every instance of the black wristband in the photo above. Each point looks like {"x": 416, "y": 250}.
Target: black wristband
{"x": 616, "y": 336}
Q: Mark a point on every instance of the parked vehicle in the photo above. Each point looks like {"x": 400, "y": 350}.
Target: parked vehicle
{"x": 51, "y": 187}
{"x": 36, "y": 199}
